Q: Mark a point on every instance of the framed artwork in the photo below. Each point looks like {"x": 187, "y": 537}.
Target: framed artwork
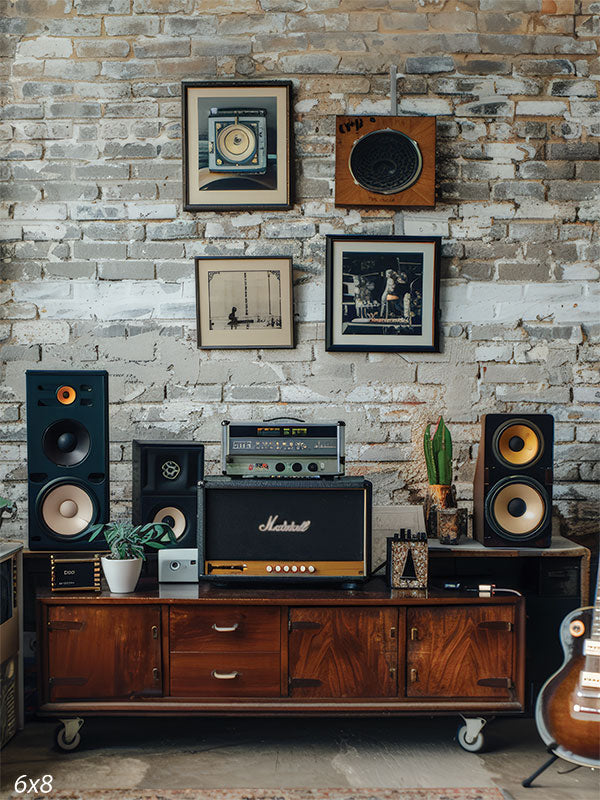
{"x": 382, "y": 293}
{"x": 236, "y": 144}
{"x": 244, "y": 302}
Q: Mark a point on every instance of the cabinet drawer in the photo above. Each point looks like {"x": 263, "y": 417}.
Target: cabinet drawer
{"x": 224, "y": 629}
{"x": 225, "y": 675}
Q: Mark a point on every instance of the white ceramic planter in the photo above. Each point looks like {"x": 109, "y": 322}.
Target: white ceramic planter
{"x": 121, "y": 574}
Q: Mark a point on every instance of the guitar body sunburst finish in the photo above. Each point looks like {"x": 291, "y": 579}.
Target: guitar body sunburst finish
{"x": 566, "y": 713}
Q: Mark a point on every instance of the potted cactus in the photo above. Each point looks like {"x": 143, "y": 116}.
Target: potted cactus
{"x": 443, "y": 519}
{"x": 438, "y": 457}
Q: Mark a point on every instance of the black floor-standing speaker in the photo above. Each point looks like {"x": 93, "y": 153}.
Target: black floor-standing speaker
{"x": 165, "y": 480}
{"x": 512, "y": 491}
{"x": 67, "y": 457}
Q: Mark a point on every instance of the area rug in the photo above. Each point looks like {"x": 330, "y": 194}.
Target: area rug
{"x": 276, "y": 794}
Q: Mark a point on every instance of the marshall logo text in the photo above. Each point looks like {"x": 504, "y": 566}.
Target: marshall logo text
{"x": 284, "y": 527}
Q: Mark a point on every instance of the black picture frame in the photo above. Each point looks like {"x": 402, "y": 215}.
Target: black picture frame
{"x": 417, "y": 330}
{"x": 229, "y": 280}
{"x": 278, "y": 150}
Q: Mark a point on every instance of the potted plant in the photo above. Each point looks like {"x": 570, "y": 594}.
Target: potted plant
{"x": 438, "y": 457}
{"x": 8, "y": 509}
{"x": 443, "y": 519}
{"x": 127, "y": 542}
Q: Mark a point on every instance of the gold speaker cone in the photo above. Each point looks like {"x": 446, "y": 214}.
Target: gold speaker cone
{"x": 179, "y": 522}
{"x": 534, "y": 508}
{"x": 520, "y": 432}
{"x": 66, "y": 395}
{"x": 67, "y": 510}
{"x": 236, "y": 142}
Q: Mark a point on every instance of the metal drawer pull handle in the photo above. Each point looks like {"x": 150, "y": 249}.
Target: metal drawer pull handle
{"x": 225, "y": 629}
{"x": 224, "y": 676}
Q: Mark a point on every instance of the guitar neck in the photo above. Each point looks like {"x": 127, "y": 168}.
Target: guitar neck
{"x": 592, "y": 645}
{"x": 595, "y": 632}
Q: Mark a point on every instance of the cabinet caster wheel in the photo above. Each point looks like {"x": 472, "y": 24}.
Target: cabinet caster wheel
{"x": 67, "y": 736}
{"x": 475, "y": 745}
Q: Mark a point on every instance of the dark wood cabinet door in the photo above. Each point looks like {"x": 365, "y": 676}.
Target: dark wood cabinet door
{"x": 343, "y": 652}
{"x": 460, "y": 651}
{"x": 104, "y": 651}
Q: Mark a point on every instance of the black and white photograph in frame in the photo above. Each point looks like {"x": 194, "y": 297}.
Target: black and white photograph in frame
{"x": 244, "y": 302}
{"x": 382, "y": 293}
{"x": 237, "y": 144}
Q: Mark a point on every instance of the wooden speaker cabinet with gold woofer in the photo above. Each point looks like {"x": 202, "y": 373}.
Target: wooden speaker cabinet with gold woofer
{"x": 512, "y": 492}
{"x": 385, "y": 161}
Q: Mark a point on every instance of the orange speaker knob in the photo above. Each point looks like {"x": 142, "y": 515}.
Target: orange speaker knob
{"x": 66, "y": 395}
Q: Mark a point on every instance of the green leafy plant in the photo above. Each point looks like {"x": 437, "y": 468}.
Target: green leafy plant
{"x": 438, "y": 454}
{"x": 126, "y": 540}
{"x": 8, "y": 509}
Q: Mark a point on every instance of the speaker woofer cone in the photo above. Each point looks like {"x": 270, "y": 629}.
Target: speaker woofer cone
{"x": 174, "y": 517}
{"x": 517, "y": 508}
{"x": 385, "y": 162}
{"x": 67, "y": 509}
{"x": 518, "y": 443}
{"x": 66, "y": 442}
{"x": 236, "y": 142}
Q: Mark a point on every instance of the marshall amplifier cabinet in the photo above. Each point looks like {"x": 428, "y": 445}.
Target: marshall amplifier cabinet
{"x": 270, "y": 531}
{"x": 282, "y": 449}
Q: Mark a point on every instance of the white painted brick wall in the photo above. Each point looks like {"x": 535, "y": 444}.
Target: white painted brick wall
{"x": 98, "y": 255}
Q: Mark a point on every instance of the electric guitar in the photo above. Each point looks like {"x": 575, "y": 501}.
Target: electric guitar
{"x": 567, "y": 712}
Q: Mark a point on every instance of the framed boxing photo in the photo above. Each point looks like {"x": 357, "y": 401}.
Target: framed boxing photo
{"x": 237, "y": 145}
{"x": 382, "y": 293}
{"x": 244, "y": 302}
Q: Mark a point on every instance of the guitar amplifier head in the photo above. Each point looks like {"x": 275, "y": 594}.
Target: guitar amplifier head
{"x": 268, "y": 531}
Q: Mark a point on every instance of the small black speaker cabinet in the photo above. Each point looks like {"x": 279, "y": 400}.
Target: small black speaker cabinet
{"x": 67, "y": 457}
{"x": 165, "y": 481}
{"x": 267, "y": 531}
{"x": 512, "y": 491}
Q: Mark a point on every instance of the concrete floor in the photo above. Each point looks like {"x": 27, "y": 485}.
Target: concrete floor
{"x": 262, "y": 753}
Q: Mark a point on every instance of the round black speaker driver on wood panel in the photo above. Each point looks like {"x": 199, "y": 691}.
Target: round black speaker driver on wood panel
{"x": 385, "y": 162}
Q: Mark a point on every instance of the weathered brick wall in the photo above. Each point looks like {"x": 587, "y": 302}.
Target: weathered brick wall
{"x": 98, "y": 254}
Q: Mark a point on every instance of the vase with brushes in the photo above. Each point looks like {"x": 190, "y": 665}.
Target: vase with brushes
{"x": 127, "y": 543}
{"x": 441, "y": 523}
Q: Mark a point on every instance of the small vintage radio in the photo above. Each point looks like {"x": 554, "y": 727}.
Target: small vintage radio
{"x": 309, "y": 531}
{"x": 71, "y": 574}
{"x": 237, "y": 140}
{"x": 282, "y": 449}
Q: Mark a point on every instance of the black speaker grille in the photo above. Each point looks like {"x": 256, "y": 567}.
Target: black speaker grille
{"x": 385, "y": 162}
{"x": 331, "y": 519}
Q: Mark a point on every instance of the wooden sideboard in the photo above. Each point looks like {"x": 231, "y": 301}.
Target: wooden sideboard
{"x": 198, "y": 649}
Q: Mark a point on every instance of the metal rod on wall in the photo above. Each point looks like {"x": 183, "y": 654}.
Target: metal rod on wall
{"x": 394, "y": 90}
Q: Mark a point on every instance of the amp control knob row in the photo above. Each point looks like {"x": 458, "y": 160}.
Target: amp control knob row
{"x": 287, "y": 568}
